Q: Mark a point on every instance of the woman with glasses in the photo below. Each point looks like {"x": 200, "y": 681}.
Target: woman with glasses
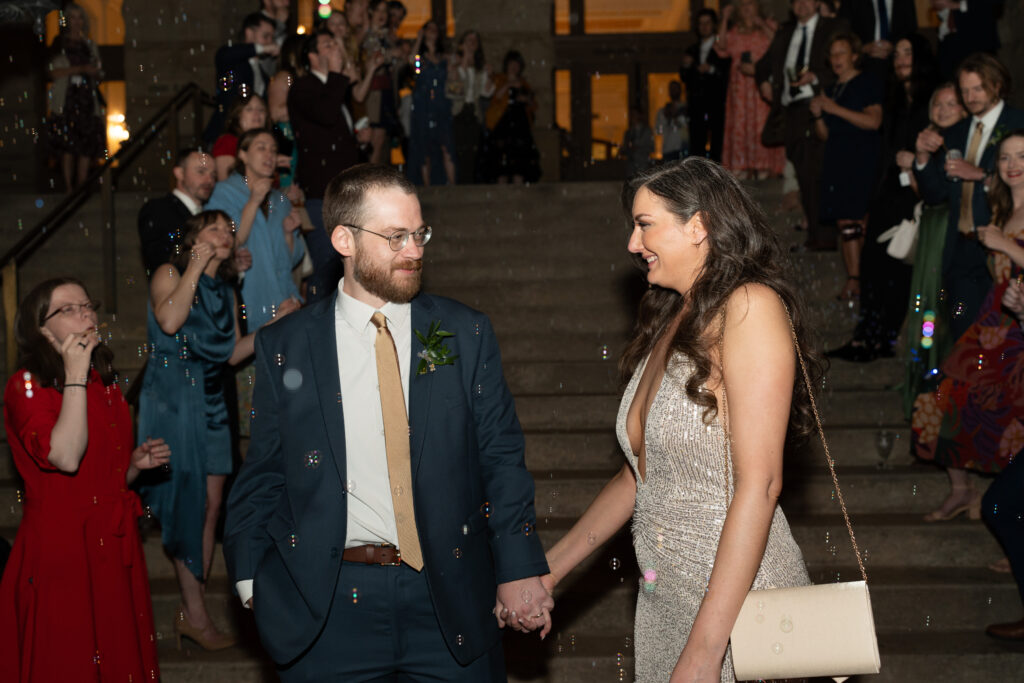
{"x": 74, "y": 600}
{"x": 193, "y": 335}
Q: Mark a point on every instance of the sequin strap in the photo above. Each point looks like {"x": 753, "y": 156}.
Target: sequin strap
{"x": 817, "y": 420}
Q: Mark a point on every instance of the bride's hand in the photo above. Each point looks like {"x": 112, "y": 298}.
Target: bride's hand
{"x": 690, "y": 670}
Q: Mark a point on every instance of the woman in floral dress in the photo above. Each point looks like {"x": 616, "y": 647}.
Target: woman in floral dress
{"x": 975, "y": 419}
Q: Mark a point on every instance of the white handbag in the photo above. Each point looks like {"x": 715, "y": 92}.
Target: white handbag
{"x": 902, "y": 238}
{"x": 806, "y": 631}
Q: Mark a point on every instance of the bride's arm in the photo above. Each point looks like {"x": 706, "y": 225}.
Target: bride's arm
{"x": 604, "y": 517}
{"x": 759, "y": 361}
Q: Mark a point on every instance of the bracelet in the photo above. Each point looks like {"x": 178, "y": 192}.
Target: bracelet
{"x": 75, "y": 384}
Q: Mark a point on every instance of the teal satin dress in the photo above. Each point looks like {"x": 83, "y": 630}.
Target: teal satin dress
{"x": 182, "y": 402}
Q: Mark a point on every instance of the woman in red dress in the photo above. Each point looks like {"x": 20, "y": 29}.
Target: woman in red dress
{"x": 74, "y": 599}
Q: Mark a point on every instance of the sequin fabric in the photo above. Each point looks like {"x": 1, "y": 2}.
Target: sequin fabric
{"x": 677, "y": 521}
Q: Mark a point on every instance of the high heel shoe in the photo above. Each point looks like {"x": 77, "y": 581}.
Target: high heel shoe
{"x": 972, "y": 507}
{"x": 182, "y": 628}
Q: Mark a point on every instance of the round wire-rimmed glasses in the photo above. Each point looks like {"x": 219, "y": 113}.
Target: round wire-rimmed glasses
{"x": 399, "y": 238}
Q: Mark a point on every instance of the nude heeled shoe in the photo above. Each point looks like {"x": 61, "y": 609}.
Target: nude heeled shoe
{"x": 972, "y": 507}
{"x": 182, "y": 628}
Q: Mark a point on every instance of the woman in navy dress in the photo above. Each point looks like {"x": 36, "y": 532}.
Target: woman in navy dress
{"x": 431, "y": 143}
{"x": 193, "y": 333}
{"x": 848, "y": 117}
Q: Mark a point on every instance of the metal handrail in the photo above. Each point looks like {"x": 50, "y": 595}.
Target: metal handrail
{"x": 106, "y": 176}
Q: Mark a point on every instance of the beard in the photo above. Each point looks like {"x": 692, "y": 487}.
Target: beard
{"x": 380, "y": 280}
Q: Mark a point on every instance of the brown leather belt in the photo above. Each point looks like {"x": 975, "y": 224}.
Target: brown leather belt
{"x": 384, "y": 554}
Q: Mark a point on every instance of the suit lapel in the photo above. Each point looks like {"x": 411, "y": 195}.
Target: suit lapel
{"x": 323, "y": 356}
{"x": 420, "y": 386}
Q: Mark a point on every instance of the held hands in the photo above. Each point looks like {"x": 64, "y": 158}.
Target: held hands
{"x": 993, "y": 238}
{"x": 76, "y": 352}
{"x": 150, "y": 454}
{"x": 1013, "y": 297}
{"x": 928, "y": 142}
{"x": 524, "y": 605}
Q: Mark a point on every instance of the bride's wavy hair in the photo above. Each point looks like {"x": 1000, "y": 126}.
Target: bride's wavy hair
{"x": 742, "y": 250}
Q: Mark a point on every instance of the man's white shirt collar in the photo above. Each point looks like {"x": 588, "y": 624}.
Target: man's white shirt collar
{"x": 189, "y": 203}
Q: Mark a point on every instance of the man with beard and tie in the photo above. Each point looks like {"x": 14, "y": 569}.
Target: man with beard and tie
{"x": 382, "y": 524}
{"x": 983, "y": 83}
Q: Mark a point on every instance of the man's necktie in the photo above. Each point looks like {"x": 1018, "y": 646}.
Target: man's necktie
{"x": 966, "y": 222}
{"x": 396, "y": 442}
{"x": 883, "y": 21}
{"x": 801, "y": 61}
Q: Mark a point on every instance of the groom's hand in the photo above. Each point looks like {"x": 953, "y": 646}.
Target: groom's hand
{"x": 525, "y": 605}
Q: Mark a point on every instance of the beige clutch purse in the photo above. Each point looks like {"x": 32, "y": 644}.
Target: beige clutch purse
{"x": 807, "y": 631}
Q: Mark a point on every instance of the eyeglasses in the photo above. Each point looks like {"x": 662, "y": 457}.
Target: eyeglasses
{"x": 69, "y": 310}
{"x": 399, "y": 238}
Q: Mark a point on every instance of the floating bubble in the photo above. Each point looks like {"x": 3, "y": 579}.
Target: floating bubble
{"x": 485, "y": 509}
{"x": 526, "y": 596}
{"x": 355, "y": 595}
{"x": 591, "y": 538}
{"x": 279, "y": 359}
{"x": 311, "y": 459}
{"x": 615, "y": 564}
{"x": 777, "y": 648}
{"x": 350, "y": 486}
{"x": 292, "y": 379}
{"x": 459, "y": 640}
{"x": 465, "y": 530}
{"x": 398, "y": 490}
{"x": 457, "y": 552}
{"x": 527, "y": 529}
{"x": 293, "y": 540}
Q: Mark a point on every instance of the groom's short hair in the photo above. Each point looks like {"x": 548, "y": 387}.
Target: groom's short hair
{"x": 345, "y": 194}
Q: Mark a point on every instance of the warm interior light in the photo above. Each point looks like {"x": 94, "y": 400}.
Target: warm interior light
{"x": 300, "y": 29}
{"x": 117, "y": 132}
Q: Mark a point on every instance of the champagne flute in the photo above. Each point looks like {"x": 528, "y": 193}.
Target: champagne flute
{"x": 953, "y": 155}
{"x": 884, "y": 442}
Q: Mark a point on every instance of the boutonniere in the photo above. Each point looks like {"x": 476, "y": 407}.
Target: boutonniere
{"x": 435, "y": 352}
{"x": 998, "y": 133}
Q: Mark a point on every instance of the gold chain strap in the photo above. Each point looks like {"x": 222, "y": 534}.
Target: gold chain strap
{"x": 817, "y": 420}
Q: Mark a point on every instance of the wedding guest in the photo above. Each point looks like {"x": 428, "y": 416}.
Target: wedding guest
{"x": 376, "y": 52}
{"x": 511, "y": 153}
{"x": 74, "y": 599}
{"x": 965, "y": 28}
{"x": 706, "y": 74}
{"x": 670, "y": 124}
{"x": 396, "y": 15}
{"x": 471, "y": 86}
{"x": 746, "y": 112}
{"x": 277, "y": 110}
{"x": 76, "y": 126}
{"x": 193, "y": 335}
{"x": 431, "y": 143}
{"x": 162, "y": 220}
{"x": 278, "y": 11}
{"x": 637, "y": 143}
{"x": 247, "y": 113}
{"x": 971, "y": 420}
{"x": 880, "y": 24}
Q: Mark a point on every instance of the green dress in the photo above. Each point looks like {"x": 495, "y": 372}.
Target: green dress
{"x": 926, "y": 347}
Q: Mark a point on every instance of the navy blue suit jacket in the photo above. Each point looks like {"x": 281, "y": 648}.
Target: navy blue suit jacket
{"x": 961, "y": 254}
{"x": 286, "y": 518}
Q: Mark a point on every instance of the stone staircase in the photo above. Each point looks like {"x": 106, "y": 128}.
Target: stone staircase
{"x": 548, "y": 264}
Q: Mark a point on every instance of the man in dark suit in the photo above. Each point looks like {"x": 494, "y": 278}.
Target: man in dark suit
{"x": 239, "y": 71}
{"x": 161, "y": 220}
{"x": 372, "y": 545}
{"x": 327, "y": 143}
{"x": 983, "y": 82}
{"x": 879, "y": 24}
{"x": 791, "y": 71}
{"x": 706, "y": 75}
{"x": 965, "y": 27}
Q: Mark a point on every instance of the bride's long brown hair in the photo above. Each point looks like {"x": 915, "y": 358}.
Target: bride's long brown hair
{"x": 742, "y": 250}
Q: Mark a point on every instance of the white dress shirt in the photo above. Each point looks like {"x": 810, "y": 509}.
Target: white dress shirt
{"x": 888, "y": 16}
{"x": 705, "y": 49}
{"x": 988, "y": 124}
{"x": 806, "y": 91}
{"x": 371, "y": 514}
{"x": 190, "y": 204}
{"x": 944, "y": 27}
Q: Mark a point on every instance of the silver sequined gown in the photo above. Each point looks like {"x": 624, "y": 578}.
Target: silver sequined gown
{"x": 677, "y": 521}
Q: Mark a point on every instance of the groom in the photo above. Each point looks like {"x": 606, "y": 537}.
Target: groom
{"x": 370, "y": 544}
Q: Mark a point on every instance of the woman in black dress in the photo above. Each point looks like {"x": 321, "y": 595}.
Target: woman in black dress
{"x": 76, "y": 125}
{"x": 511, "y": 154}
{"x": 847, "y": 117}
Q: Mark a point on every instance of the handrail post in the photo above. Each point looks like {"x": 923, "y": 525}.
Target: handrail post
{"x": 109, "y": 241}
{"x": 10, "y": 293}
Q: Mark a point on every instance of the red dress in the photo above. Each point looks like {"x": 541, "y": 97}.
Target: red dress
{"x": 74, "y": 600}
{"x": 746, "y": 112}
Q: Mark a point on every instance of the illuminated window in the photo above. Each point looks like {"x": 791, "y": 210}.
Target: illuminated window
{"x": 563, "y": 100}
{"x": 562, "y": 17}
{"x": 419, "y": 13}
{"x": 609, "y": 109}
{"x": 636, "y": 16}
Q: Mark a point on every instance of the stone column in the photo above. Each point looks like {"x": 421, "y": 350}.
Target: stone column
{"x": 526, "y": 27}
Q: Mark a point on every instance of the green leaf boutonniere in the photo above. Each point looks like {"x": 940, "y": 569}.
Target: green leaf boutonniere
{"x": 435, "y": 352}
{"x": 998, "y": 133}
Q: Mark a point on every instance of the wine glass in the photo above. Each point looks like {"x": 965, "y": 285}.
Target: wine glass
{"x": 884, "y": 442}
{"x": 953, "y": 155}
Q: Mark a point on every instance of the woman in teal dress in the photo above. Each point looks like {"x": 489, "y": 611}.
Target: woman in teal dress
{"x": 193, "y": 333}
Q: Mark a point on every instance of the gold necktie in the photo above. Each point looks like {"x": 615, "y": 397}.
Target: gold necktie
{"x": 396, "y": 442}
{"x": 966, "y": 222}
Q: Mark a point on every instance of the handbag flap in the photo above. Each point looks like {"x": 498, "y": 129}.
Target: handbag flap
{"x": 805, "y": 631}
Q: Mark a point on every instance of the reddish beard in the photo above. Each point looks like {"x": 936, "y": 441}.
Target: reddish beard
{"x": 380, "y": 281}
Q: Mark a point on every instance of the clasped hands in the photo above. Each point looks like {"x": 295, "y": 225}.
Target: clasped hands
{"x": 525, "y": 604}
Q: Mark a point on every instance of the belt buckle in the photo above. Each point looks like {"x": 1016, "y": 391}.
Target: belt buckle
{"x": 398, "y": 556}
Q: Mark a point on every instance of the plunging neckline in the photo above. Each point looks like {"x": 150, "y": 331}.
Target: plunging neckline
{"x": 642, "y": 479}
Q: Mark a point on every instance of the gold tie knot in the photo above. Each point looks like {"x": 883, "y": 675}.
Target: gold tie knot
{"x": 379, "y": 320}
